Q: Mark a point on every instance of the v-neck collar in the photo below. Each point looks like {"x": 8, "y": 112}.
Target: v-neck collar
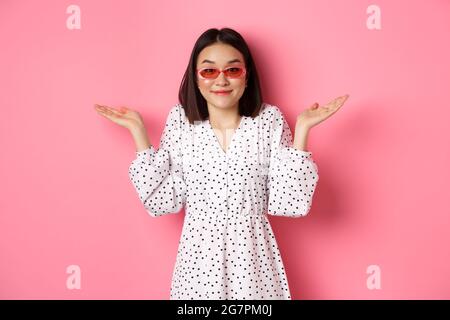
{"x": 233, "y": 138}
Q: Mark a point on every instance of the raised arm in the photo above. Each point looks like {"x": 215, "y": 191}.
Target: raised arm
{"x": 157, "y": 175}
{"x": 293, "y": 175}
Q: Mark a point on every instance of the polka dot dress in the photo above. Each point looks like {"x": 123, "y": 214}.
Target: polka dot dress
{"x": 227, "y": 248}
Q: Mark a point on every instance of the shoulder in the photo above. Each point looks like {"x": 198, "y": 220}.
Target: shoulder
{"x": 177, "y": 114}
{"x": 270, "y": 113}
{"x": 177, "y": 110}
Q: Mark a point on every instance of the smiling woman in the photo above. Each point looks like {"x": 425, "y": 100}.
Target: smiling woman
{"x": 226, "y": 150}
{"x": 221, "y": 82}
{"x": 229, "y": 160}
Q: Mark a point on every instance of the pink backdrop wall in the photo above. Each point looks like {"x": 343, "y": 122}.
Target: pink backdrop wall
{"x": 382, "y": 198}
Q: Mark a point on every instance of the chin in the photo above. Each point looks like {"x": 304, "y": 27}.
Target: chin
{"x": 223, "y": 104}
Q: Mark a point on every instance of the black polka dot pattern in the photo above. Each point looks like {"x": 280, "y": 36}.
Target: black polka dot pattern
{"x": 227, "y": 248}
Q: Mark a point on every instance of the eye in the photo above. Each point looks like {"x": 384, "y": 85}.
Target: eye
{"x": 234, "y": 71}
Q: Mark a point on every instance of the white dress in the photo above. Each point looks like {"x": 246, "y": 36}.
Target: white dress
{"x": 227, "y": 248}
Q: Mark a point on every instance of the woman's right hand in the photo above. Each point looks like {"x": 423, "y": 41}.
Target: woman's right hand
{"x": 124, "y": 116}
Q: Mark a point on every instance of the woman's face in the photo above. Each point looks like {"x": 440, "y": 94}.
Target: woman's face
{"x": 219, "y": 56}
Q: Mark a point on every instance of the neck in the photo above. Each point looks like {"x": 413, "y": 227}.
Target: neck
{"x": 227, "y": 118}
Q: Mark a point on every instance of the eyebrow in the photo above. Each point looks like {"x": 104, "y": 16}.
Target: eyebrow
{"x": 231, "y": 61}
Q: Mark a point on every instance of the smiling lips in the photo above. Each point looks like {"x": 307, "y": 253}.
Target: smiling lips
{"x": 222, "y": 92}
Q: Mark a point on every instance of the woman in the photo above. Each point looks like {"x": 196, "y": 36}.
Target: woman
{"x": 228, "y": 158}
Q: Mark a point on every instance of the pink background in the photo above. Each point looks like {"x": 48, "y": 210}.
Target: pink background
{"x": 382, "y": 198}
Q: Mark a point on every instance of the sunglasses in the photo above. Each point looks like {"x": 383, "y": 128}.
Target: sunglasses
{"x": 213, "y": 73}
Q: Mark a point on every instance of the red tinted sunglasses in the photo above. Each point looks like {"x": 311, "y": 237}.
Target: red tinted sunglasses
{"x": 212, "y": 73}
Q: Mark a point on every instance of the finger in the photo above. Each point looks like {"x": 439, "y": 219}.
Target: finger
{"x": 103, "y": 107}
{"x": 102, "y": 111}
{"x": 115, "y": 112}
{"x": 338, "y": 99}
{"x": 100, "y": 107}
{"x": 107, "y": 113}
{"x": 338, "y": 102}
{"x": 331, "y": 104}
{"x": 330, "y": 108}
{"x": 123, "y": 111}
{"x": 343, "y": 98}
{"x": 110, "y": 111}
{"x": 119, "y": 112}
{"x": 104, "y": 114}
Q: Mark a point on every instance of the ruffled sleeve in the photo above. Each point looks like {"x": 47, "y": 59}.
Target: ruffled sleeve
{"x": 293, "y": 174}
{"x": 157, "y": 175}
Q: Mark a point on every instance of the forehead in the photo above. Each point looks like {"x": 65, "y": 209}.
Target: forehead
{"x": 219, "y": 54}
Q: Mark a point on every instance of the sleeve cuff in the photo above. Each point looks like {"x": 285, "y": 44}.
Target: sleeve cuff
{"x": 145, "y": 154}
{"x": 294, "y": 154}
{"x": 296, "y": 158}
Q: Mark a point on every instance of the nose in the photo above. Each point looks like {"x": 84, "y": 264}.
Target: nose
{"x": 221, "y": 79}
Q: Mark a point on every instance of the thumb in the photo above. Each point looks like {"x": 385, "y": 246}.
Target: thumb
{"x": 314, "y": 106}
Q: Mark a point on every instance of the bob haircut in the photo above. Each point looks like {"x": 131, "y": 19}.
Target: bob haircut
{"x": 189, "y": 95}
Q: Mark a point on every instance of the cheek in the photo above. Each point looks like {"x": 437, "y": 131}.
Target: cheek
{"x": 204, "y": 86}
{"x": 241, "y": 84}
{"x": 204, "y": 90}
{"x": 240, "y": 87}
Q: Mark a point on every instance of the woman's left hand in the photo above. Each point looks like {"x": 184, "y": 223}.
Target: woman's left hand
{"x": 315, "y": 114}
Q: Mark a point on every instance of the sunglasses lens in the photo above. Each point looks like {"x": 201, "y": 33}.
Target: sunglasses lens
{"x": 234, "y": 72}
{"x": 212, "y": 73}
{"x": 209, "y": 73}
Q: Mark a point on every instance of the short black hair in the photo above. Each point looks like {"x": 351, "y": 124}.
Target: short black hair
{"x": 190, "y": 97}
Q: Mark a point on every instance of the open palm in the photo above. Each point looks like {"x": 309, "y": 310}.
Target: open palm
{"x": 124, "y": 117}
{"x": 316, "y": 114}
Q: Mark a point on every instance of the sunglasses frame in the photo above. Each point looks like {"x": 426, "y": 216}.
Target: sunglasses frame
{"x": 244, "y": 71}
